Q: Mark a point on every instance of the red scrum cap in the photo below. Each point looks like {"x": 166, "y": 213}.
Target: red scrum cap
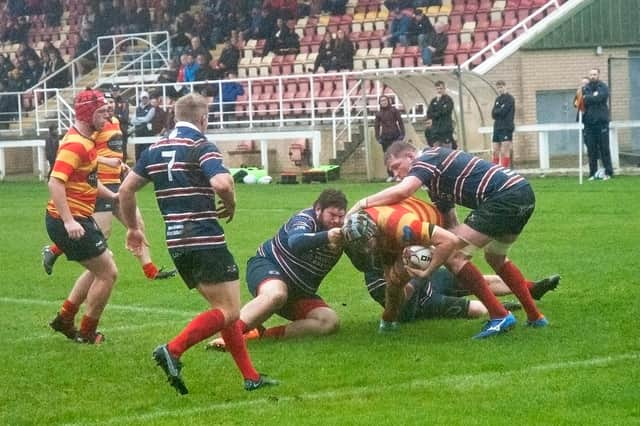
{"x": 87, "y": 102}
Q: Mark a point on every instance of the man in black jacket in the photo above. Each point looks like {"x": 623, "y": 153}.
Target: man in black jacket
{"x": 503, "y": 113}
{"x": 439, "y": 130}
{"x": 434, "y": 44}
{"x": 595, "y": 96}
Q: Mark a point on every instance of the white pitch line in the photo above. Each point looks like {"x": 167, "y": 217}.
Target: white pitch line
{"x": 125, "y": 308}
{"x": 456, "y": 379}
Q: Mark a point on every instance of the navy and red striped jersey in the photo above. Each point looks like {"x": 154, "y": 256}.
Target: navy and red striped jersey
{"x": 456, "y": 177}
{"x": 304, "y": 270}
{"x": 180, "y": 167}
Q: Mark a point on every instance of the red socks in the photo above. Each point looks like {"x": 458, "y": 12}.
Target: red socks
{"x": 150, "y": 270}
{"x": 204, "y": 325}
{"x": 69, "y": 310}
{"x": 88, "y": 326}
{"x": 55, "y": 249}
{"x": 471, "y": 278}
{"x": 514, "y": 279}
{"x": 236, "y": 346}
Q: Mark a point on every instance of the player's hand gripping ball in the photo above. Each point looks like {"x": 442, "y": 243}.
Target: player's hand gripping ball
{"x": 417, "y": 257}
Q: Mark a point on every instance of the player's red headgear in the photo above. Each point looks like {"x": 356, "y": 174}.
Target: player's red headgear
{"x": 87, "y": 102}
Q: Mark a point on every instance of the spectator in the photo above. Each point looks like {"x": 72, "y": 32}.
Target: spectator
{"x": 5, "y": 67}
{"x": 278, "y": 41}
{"x": 51, "y": 143}
{"x": 253, "y": 24}
{"x": 388, "y": 127}
{"x": 595, "y": 96}
{"x": 5, "y": 105}
{"x": 121, "y": 112}
{"x": 14, "y": 84}
{"x": 205, "y": 72}
{"x": 439, "y": 118}
{"x": 229, "y": 57}
{"x": 419, "y": 29}
{"x": 53, "y": 13}
{"x": 434, "y": 45}
{"x": 31, "y": 73}
{"x": 48, "y": 48}
{"x": 326, "y": 58}
{"x": 87, "y": 22}
{"x": 398, "y": 30}
{"x": 190, "y": 68}
{"x": 196, "y": 49}
{"x": 503, "y": 113}
{"x": 231, "y": 90}
{"x": 18, "y": 31}
{"x": 335, "y": 7}
{"x": 344, "y": 52}
{"x": 53, "y": 65}
{"x": 88, "y": 62}
{"x": 160, "y": 117}
{"x": 141, "y": 20}
{"x": 142, "y": 122}
{"x": 27, "y": 52}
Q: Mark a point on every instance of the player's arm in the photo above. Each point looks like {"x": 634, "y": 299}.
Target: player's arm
{"x": 300, "y": 240}
{"x": 59, "y": 196}
{"x": 106, "y": 193}
{"x": 128, "y": 207}
{"x": 444, "y": 243}
{"x": 222, "y": 184}
{"x": 109, "y": 161}
{"x": 392, "y": 195}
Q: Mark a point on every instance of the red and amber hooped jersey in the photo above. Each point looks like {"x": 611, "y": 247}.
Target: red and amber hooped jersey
{"x": 109, "y": 144}
{"x": 76, "y": 165}
{"x": 405, "y": 223}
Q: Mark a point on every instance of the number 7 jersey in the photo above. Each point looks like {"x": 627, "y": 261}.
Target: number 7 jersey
{"x": 180, "y": 167}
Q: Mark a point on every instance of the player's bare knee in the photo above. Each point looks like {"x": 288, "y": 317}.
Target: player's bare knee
{"x": 277, "y": 298}
{"x": 476, "y": 309}
{"x": 329, "y": 322}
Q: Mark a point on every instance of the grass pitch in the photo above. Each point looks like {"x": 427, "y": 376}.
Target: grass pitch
{"x": 583, "y": 369}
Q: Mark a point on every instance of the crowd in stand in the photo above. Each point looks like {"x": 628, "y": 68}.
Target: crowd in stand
{"x": 195, "y": 34}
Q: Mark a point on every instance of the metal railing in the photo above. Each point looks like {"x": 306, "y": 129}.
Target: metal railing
{"x": 504, "y": 45}
{"x": 133, "y": 56}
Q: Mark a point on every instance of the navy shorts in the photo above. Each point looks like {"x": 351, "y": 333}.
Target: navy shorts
{"x": 502, "y": 135}
{"x": 505, "y": 213}
{"x": 208, "y": 266}
{"x": 436, "y": 300}
{"x": 106, "y": 205}
{"x": 91, "y": 245}
{"x": 298, "y": 304}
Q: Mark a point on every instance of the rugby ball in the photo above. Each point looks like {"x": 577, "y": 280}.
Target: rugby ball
{"x": 265, "y": 180}
{"x": 418, "y": 257}
{"x": 250, "y": 179}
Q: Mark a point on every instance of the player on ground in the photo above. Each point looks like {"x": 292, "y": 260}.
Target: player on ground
{"x": 502, "y": 203}
{"x": 187, "y": 173}
{"x": 441, "y": 296}
{"x": 284, "y": 275}
{"x": 73, "y": 187}
{"x": 376, "y": 237}
{"x": 110, "y": 169}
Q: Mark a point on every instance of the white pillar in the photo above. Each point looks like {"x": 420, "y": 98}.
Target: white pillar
{"x": 264, "y": 154}
{"x": 543, "y": 149}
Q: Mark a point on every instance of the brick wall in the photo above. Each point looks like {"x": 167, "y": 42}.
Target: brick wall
{"x": 527, "y": 72}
